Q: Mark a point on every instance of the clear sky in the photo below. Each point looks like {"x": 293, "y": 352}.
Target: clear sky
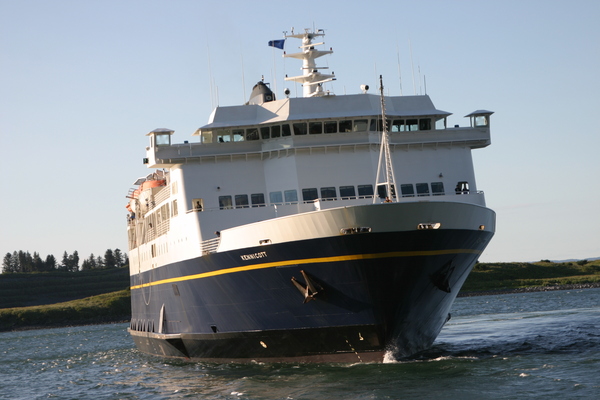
{"x": 82, "y": 82}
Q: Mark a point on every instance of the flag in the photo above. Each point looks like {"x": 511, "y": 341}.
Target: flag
{"x": 277, "y": 43}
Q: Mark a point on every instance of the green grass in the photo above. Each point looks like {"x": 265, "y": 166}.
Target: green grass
{"x": 116, "y": 306}
{"x": 498, "y": 276}
{"x": 109, "y": 307}
{"x": 21, "y": 290}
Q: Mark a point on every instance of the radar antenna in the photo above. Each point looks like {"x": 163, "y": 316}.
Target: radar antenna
{"x": 385, "y": 158}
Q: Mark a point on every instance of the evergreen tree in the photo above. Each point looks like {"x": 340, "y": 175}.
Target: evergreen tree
{"x": 109, "y": 259}
{"x": 50, "y": 263}
{"x": 99, "y": 262}
{"x": 75, "y": 262}
{"x": 118, "y": 258}
{"x": 37, "y": 263}
{"x": 64, "y": 265}
{"x": 8, "y": 265}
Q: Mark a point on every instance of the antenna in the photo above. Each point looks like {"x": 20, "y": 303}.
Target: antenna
{"x": 212, "y": 96}
{"x": 385, "y": 158}
{"x": 399, "y": 73}
{"x": 243, "y": 80}
{"x": 412, "y": 67}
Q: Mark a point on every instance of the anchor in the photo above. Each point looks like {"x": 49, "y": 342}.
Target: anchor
{"x": 309, "y": 291}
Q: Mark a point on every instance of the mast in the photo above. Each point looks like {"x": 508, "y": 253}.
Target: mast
{"x": 311, "y": 79}
{"x": 385, "y": 158}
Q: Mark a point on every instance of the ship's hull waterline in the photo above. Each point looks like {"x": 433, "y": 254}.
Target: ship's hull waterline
{"x": 366, "y": 294}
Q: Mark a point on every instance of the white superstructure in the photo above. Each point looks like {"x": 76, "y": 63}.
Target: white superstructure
{"x": 256, "y": 167}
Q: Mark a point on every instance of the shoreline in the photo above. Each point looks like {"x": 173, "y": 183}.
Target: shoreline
{"x": 531, "y": 289}
{"x": 118, "y": 320}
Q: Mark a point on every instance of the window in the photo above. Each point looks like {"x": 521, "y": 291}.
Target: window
{"x": 174, "y": 208}
{"x": 377, "y": 126}
{"x": 346, "y": 126}
{"x": 291, "y": 196}
{"x": 206, "y": 137}
{"x": 328, "y": 193}
{"x": 440, "y": 123}
{"x": 163, "y": 139}
{"x": 360, "y": 125}
{"x": 315, "y": 128}
{"x": 258, "y": 199}
{"x": 347, "y": 192}
{"x": 382, "y": 191}
{"x": 276, "y": 198}
{"x": 407, "y": 189}
{"x": 398, "y": 126}
{"x": 412, "y": 125}
{"x": 265, "y": 132}
{"x": 223, "y": 135}
{"x": 300, "y": 128}
{"x": 365, "y": 190}
{"x": 225, "y": 203}
{"x": 275, "y": 131}
{"x": 241, "y": 201}
{"x": 310, "y": 194}
{"x": 422, "y": 189}
{"x": 425, "y": 124}
{"x": 480, "y": 120}
{"x": 285, "y": 130}
{"x": 331, "y": 127}
{"x": 238, "y": 135}
{"x": 252, "y": 134}
{"x": 197, "y": 205}
{"x": 437, "y": 188}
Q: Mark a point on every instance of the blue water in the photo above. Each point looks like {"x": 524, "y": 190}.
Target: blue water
{"x": 514, "y": 346}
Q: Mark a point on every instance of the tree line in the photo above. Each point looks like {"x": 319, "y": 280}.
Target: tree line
{"x": 23, "y": 261}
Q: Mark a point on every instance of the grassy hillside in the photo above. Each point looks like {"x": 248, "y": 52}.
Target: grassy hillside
{"x": 21, "y": 290}
{"x": 109, "y": 307}
{"x": 113, "y": 307}
{"x": 497, "y": 276}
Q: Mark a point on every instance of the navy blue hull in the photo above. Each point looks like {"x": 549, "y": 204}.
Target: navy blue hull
{"x": 370, "y": 293}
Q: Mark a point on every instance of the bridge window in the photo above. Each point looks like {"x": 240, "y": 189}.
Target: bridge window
{"x": 331, "y": 127}
{"x": 300, "y": 128}
{"x": 425, "y": 124}
{"x": 440, "y": 123}
{"x": 407, "y": 189}
{"x": 238, "y": 135}
{"x": 223, "y": 135}
{"x": 276, "y": 131}
{"x": 360, "y": 125}
{"x": 412, "y": 125}
{"x": 265, "y": 132}
{"x": 422, "y": 189}
{"x": 276, "y": 198}
{"x": 347, "y": 192}
{"x": 480, "y": 120}
{"x": 291, "y": 196}
{"x": 241, "y": 201}
{"x": 285, "y": 130}
{"x": 346, "y": 126}
{"x": 315, "y": 128}
{"x": 252, "y": 134}
{"x": 225, "y": 203}
{"x": 310, "y": 194}
{"x": 258, "y": 199}
{"x": 328, "y": 193}
{"x": 437, "y": 188}
{"x": 365, "y": 190}
{"x": 398, "y": 126}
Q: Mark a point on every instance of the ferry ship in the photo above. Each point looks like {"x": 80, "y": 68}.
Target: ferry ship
{"x": 321, "y": 228}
